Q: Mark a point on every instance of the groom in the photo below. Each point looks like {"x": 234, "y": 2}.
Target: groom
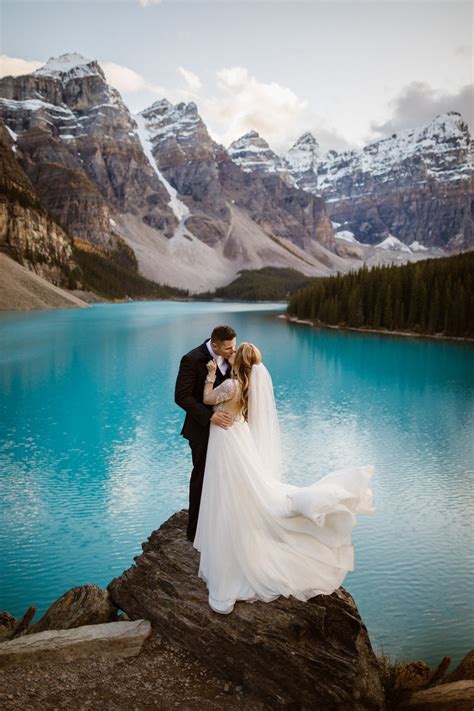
{"x": 189, "y": 395}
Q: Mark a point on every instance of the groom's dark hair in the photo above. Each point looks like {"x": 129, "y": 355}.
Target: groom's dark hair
{"x": 223, "y": 333}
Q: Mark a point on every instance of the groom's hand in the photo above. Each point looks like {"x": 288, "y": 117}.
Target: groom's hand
{"x": 222, "y": 419}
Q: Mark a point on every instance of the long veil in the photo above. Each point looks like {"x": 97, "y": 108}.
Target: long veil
{"x": 263, "y": 421}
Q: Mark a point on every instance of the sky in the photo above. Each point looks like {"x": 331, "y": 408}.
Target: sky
{"x": 349, "y": 71}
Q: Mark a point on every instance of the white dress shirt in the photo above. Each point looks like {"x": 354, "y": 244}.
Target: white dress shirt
{"x": 220, "y": 360}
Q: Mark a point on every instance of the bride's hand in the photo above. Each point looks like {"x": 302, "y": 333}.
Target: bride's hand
{"x": 211, "y": 367}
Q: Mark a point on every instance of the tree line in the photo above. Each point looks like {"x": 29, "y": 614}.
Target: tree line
{"x": 433, "y": 296}
{"x": 266, "y": 284}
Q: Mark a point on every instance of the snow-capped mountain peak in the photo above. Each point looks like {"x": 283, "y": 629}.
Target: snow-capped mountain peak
{"x": 180, "y": 122}
{"x": 253, "y": 154}
{"x": 71, "y": 64}
{"x": 304, "y": 154}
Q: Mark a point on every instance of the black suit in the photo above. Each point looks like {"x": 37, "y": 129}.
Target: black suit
{"x": 189, "y": 395}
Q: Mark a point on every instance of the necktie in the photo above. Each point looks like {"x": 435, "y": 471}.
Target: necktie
{"x": 221, "y": 364}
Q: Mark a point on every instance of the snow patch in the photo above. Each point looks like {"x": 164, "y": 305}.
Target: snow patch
{"x": 347, "y": 236}
{"x": 418, "y": 247}
{"x": 66, "y": 63}
{"x": 14, "y": 137}
{"x": 393, "y": 243}
{"x": 181, "y": 211}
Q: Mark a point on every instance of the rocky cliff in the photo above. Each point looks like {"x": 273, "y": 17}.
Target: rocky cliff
{"x": 292, "y": 655}
{"x": 28, "y": 233}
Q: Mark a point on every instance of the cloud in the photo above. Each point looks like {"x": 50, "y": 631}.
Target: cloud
{"x": 127, "y": 80}
{"x": 243, "y": 103}
{"x": 418, "y": 103}
{"x": 147, "y": 3}
{"x": 193, "y": 82}
{"x": 14, "y": 67}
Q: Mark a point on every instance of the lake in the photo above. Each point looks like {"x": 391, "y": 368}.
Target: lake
{"x": 91, "y": 461}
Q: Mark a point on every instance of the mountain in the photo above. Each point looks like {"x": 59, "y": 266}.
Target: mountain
{"x": 76, "y": 141}
{"x": 415, "y": 185}
{"x": 155, "y": 182}
{"x": 301, "y": 162}
{"x": 253, "y": 154}
{"x": 154, "y": 194}
{"x": 230, "y": 220}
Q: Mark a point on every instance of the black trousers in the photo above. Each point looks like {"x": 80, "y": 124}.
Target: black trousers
{"x": 198, "y": 452}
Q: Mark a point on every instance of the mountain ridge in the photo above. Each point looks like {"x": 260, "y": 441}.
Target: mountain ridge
{"x": 192, "y": 213}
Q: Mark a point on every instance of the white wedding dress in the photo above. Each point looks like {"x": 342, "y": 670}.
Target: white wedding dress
{"x": 260, "y": 537}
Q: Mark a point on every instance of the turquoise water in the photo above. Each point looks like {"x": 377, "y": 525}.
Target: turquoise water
{"x": 91, "y": 460}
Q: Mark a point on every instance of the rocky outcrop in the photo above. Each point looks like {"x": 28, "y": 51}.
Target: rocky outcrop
{"x": 464, "y": 670}
{"x": 115, "y": 639}
{"x": 79, "y": 606}
{"x": 294, "y": 655}
{"x": 82, "y": 605}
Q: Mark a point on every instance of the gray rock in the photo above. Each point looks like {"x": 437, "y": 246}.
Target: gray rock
{"x": 114, "y": 639}
{"x": 291, "y": 654}
{"x": 455, "y": 696}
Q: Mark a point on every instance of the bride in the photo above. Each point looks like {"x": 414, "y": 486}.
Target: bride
{"x": 260, "y": 537}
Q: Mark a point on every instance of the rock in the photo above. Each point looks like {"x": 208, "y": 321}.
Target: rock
{"x": 114, "y": 639}
{"x": 7, "y": 625}
{"x": 291, "y": 654}
{"x": 464, "y": 670}
{"x": 457, "y": 695}
{"x": 24, "y": 624}
{"x": 439, "y": 672}
{"x": 82, "y": 605}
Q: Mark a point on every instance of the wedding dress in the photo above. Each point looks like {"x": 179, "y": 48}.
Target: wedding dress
{"x": 260, "y": 537}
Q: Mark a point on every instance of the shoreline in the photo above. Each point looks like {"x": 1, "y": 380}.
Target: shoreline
{"x": 384, "y": 332}
{"x": 86, "y": 299}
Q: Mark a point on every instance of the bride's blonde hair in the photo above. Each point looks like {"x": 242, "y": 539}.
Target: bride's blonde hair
{"x": 246, "y": 355}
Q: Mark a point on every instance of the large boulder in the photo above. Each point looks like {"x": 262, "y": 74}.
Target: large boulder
{"x": 81, "y": 605}
{"x": 292, "y": 654}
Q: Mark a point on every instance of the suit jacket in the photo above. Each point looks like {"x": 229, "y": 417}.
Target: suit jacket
{"x": 189, "y": 391}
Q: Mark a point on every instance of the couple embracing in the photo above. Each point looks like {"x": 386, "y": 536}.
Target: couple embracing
{"x": 259, "y": 537}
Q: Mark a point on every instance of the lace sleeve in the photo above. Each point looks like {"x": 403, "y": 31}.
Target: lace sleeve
{"x": 224, "y": 391}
